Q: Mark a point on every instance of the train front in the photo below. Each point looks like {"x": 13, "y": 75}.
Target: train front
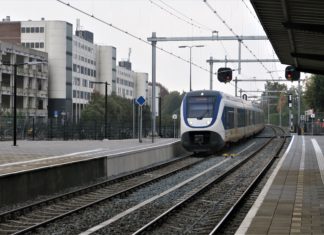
{"x": 200, "y": 121}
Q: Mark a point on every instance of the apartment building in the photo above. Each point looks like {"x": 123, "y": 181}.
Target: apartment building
{"x": 75, "y": 63}
{"x": 84, "y": 71}
{"x": 31, "y": 80}
{"x": 130, "y": 84}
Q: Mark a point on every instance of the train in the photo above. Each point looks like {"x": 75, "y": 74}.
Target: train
{"x": 212, "y": 119}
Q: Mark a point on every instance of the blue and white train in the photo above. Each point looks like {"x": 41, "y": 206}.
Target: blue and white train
{"x": 210, "y": 119}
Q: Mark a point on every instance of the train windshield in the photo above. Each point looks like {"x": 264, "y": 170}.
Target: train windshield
{"x": 200, "y": 106}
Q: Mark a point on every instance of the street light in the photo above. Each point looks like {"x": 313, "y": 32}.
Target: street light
{"x": 15, "y": 94}
{"x": 190, "y": 47}
{"x": 106, "y": 103}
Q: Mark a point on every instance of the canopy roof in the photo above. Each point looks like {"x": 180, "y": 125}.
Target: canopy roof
{"x": 295, "y": 29}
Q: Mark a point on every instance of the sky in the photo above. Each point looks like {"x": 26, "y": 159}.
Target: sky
{"x": 168, "y": 18}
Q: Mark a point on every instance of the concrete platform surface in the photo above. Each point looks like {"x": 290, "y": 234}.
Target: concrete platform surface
{"x": 292, "y": 201}
{"x": 29, "y": 155}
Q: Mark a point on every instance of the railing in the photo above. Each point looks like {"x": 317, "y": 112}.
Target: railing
{"x": 43, "y": 128}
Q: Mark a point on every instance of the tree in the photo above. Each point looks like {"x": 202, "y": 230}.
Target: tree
{"x": 314, "y": 93}
{"x": 120, "y": 115}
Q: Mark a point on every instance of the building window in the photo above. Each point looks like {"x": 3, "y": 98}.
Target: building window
{"x": 36, "y": 29}
{"x": 23, "y": 30}
{"x": 27, "y": 30}
{"x": 40, "y": 104}
{"x": 74, "y": 68}
{"x": 32, "y": 29}
{"x": 39, "y": 83}
{"x": 27, "y": 45}
{"x": 32, "y": 45}
{"x": 36, "y": 44}
{"x": 84, "y": 83}
{"x": 41, "y": 29}
{"x": 41, "y": 45}
{"x": 74, "y": 93}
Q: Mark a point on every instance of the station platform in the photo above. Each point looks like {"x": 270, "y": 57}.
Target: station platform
{"x": 31, "y": 155}
{"x": 37, "y": 168}
{"x": 292, "y": 201}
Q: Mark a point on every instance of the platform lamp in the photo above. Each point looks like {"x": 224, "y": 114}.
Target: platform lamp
{"x": 190, "y": 48}
{"x": 15, "y": 65}
{"x": 106, "y": 104}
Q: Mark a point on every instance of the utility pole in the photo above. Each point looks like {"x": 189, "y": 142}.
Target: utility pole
{"x": 153, "y": 83}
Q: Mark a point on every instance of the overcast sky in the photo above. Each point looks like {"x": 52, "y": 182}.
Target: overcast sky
{"x": 142, "y": 17}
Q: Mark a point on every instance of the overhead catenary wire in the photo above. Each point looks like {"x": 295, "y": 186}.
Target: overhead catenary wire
{"x": 133, "y": 35}
{"x": 192, "y": 22}
{"x": 236, "y": 35}
{"x": 189, "y": 20}
{"x": 253, "y": 15}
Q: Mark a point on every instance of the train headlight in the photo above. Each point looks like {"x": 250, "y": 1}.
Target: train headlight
{"x": 207, "y": 122}
{"x": 190, "y": 122}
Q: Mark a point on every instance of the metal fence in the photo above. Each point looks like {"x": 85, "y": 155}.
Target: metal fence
{"x": 312, "y": 125}
{"x": 38, "y": 128}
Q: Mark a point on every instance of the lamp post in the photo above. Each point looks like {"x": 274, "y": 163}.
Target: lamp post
{"x": 190, "y": 48}
{"x": 106, "y": 104}
{"x": 15, "y": 65}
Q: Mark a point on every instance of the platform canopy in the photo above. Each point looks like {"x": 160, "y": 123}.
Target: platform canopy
{"x": 295, "y": 29}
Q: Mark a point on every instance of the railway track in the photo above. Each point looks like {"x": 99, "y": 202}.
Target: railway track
{"x": 31, "y": 217}
{"x": 138, "y": 204}
{"x": 210, "y": 209}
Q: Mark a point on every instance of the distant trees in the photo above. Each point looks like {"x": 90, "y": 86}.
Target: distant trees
{"x": 277, "y": 102}
{"x": 314, "y": 93}
{"x": 120, "y": 111}
{"x": 171, "y": 105}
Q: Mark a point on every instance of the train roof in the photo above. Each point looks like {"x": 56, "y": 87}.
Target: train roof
{"x": 224, "y": 95}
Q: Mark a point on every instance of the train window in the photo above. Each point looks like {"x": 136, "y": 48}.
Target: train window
{"x": 200, "y": 106}
{"x": 228, "y": 118}
{"x": 240, "y": 117}
{"x": 253, "y": 117}
{"x": 248, "y": 117}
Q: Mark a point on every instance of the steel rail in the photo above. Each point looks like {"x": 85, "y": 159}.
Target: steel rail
{"x": 32, "y": 207}
{"x": 218, "y": 179}
{"x": 240, "y": 202}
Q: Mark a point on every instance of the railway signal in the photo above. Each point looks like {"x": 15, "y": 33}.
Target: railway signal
{"x": 289, "y": 100}
{"x": 292, "y": 74}
{"x": 224, "y": 75}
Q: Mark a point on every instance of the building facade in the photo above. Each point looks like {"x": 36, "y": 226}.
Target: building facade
{"x": 84, "y": 71}
{"x": 130, "y": 84}
{"x": 106, "y": 67}
{"x": 31, "y": 80}
{"x": 75, "y": 64}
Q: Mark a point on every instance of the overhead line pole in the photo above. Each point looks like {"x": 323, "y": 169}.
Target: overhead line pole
{"x": 154, "y": 41}
{"x": 153, "y": 83}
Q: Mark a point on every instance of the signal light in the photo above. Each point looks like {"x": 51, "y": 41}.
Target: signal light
{"x": 224, "y": 75}
{"x": 291, "y": 73}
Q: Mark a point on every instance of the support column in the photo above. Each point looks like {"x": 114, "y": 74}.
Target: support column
{"x": 211, "y": 73}
{"x": 239, "y": 56}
